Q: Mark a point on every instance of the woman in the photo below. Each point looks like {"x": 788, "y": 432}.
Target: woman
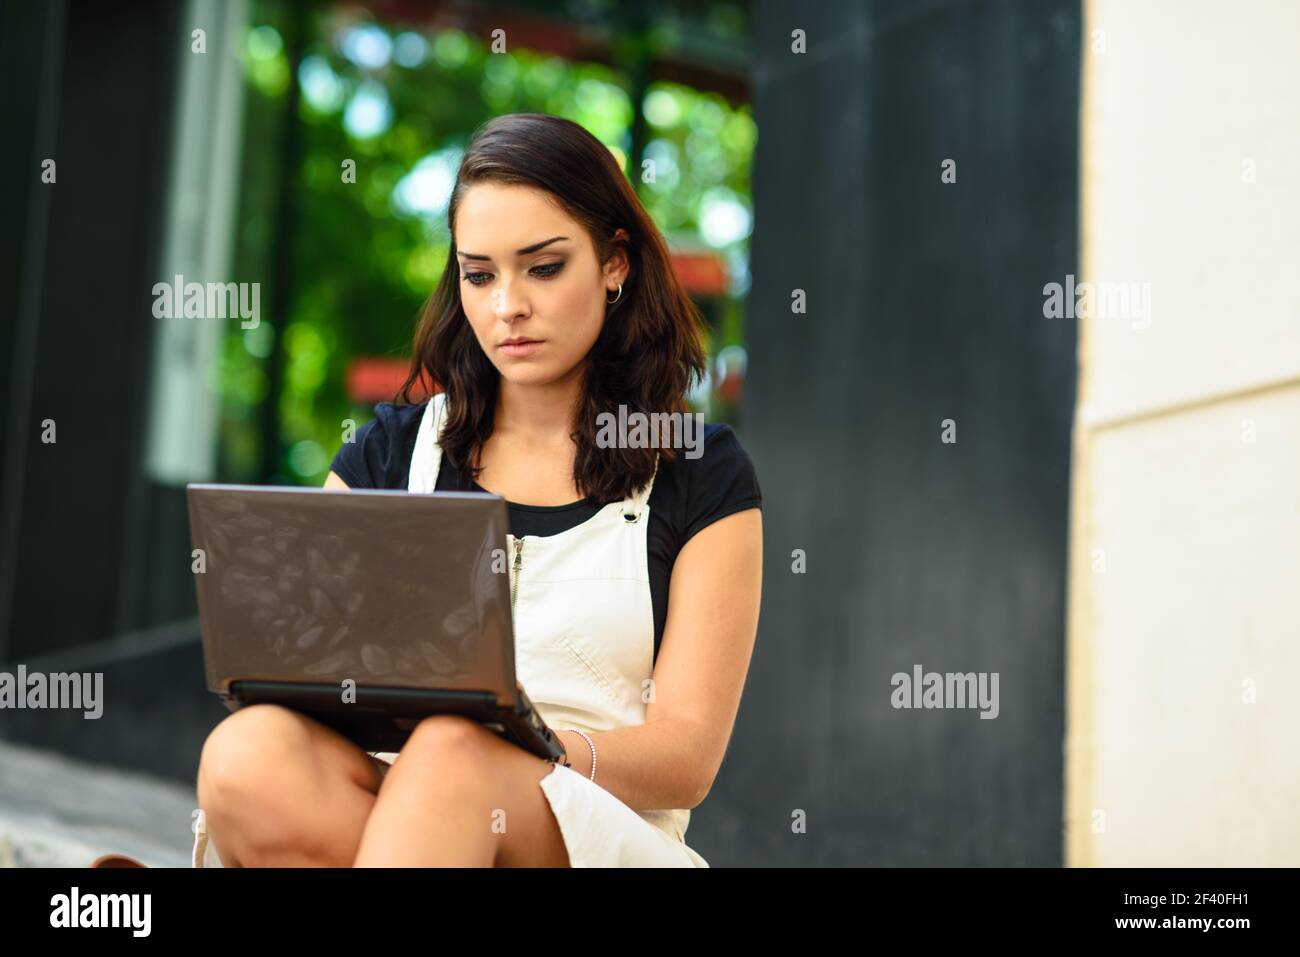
{"x": 636, "y": 570}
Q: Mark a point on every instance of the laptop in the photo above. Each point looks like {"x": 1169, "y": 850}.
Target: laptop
{"x": 364, "y": 609}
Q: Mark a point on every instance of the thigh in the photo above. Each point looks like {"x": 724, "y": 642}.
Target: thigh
{"x": 274, "y": 783}
{"x": 453, "y": 758}
{"x": 532, "y": 836}
{"x": 263, "y": 742}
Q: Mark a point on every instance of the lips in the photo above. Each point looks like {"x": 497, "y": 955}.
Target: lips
{"x": 520, "y": 348}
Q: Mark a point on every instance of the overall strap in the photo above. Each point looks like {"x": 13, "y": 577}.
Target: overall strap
{"x": 634, "y": 506}
{"x": 427, "y": 454}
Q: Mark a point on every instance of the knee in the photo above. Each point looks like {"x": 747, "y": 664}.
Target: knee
{"x": 245, "y": 755}
{"x": 443, "y": 741}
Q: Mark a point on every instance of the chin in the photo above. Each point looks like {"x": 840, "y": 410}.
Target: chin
{"x": 523, "y": 373}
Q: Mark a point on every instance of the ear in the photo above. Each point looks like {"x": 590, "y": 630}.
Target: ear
{"x": 618, "y": 267}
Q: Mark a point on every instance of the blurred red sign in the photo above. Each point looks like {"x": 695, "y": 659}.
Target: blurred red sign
{"x": 702, "y": 273}
{"x": 373, "y": 379}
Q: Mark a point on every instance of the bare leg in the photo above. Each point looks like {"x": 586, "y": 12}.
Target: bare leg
{"x": 460, "y": 796}
{"x": 279, "y": 789}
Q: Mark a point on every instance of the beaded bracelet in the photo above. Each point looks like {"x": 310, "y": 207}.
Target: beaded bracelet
{"x": 593, "y": 751}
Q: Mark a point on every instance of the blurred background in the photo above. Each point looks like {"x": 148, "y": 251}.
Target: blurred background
{"x": 1101, "y": 511}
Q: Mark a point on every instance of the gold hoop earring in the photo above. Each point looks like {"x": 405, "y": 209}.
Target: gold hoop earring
{"x": 616, "y": 298}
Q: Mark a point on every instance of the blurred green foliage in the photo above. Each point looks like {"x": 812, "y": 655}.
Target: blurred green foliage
{"x": 402, "y": 104}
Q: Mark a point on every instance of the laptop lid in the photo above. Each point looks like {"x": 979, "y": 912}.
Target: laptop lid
{"x": 384, "y": 588}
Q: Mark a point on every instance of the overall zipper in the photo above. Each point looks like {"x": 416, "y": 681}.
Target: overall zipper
{"x": 514, "y": 585}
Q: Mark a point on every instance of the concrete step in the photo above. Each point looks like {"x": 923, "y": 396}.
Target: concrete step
{"x": 60, "y": 812}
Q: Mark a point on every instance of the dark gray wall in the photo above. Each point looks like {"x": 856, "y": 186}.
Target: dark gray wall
{"x": 87, "y": 541}
{"x": 100, "y": 79}
{"x": 924, "y": 303}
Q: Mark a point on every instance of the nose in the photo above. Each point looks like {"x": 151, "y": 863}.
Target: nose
{"x": 508, "y": 301}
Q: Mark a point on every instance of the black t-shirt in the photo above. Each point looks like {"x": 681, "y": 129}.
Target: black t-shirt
{"x": 688, "y": 494}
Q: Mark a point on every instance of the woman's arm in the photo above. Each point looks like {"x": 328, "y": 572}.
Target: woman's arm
{"x": 713, "y": 603}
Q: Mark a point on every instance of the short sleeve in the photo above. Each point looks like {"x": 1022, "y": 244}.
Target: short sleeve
{"x": 722, "y": 482}
{"x": 365, "y": 461}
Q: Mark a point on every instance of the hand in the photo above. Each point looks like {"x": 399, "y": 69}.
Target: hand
{"x": 567, "y": 756}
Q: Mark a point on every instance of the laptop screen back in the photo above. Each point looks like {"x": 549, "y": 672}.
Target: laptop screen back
{"x": 382, "y": 588}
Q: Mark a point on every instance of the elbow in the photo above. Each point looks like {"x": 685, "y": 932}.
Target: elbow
{"x": 699, "y": 789}
{"x": 703, "y": 771}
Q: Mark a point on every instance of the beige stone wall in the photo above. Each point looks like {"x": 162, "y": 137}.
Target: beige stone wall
{"x": 1183, "y": 744}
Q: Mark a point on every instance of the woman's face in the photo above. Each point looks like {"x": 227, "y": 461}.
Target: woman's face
{"x": 536, "y": 313}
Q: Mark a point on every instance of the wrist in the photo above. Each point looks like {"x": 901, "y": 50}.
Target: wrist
{"x": 577, "y": 751}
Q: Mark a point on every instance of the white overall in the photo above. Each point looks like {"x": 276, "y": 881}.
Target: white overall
{"x": 584, "y": 646}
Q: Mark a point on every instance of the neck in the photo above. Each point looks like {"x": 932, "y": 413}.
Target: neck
{"x": 539, "y": 412}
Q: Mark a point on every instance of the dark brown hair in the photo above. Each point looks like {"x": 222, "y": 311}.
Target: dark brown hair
{"x": 649, "y": 348}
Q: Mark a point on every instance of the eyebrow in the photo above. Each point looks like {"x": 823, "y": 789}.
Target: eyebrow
{"x": 518, "y": 252}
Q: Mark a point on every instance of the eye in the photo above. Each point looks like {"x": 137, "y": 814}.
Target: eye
{"x": 544, "y": 271}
